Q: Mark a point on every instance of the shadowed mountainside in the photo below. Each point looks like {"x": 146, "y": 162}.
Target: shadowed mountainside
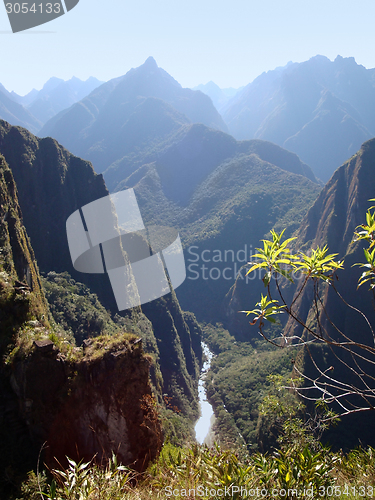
{"x": 15, "y": 113}
{"x": 222, "y": 196}
{"x": 319, "y": 109}
{"x": 53, "y": 184}
{"x": 130, "y": 112}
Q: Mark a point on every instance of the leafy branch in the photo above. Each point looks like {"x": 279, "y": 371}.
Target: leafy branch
{"x": 318, "y": 269}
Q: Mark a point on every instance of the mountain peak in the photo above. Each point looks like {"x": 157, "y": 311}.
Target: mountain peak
{"x": 52, "y": 83}
{"x": 346, "y": 61}
{"x": 320, "y": 58}
{"x": 150, "y": 63}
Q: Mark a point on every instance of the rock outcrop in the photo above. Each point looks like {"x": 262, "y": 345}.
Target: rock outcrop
{"x": 91, "y": 403}
{"x": 82, "y": 402}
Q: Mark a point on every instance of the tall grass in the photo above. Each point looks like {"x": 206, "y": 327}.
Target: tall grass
{"x": 214, "y": 473}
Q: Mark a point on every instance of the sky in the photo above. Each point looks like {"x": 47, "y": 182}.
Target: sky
{"x": 228, "y": 42}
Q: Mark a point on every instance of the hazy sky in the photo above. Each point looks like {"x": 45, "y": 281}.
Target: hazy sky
{"x": 229, "y": 42}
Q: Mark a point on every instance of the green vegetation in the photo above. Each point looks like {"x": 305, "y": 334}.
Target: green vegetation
{"x": 75, "y": 308}
{"x": 237, "y": 384}
{"x": 78, "y": 315}
{"x": 214, "y": 474}
{"x": 318, "y": 271}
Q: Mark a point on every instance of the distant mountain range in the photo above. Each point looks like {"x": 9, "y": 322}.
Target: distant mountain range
{"x": 222, "y": 195}
{"x": 220, "y": 97}
{"x": 319, "y": 109}
{"x": 140, "y": 131}
{"x": 130, "y": 113}
{"x": 57, "y": 95}
{"x": 34, "y": 109}
{"x": 15, "y": 113}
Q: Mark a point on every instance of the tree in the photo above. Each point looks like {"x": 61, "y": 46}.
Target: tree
{"x": 349, "y": 383}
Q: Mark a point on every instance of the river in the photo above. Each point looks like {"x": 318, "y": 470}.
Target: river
{"x": 207, "y": 418}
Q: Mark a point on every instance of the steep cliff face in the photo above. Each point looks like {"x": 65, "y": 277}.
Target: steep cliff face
{"x": 21, "y": 294}
{"x": 181, "y": 354}
{"x": 22, "y": 304}
{"x": 52, "y": 184}
{"x": 81, "y": 402}
{"x": 332, "y": 220}
{"x": 340, "y": 207}
{"x": 91, "y": 403}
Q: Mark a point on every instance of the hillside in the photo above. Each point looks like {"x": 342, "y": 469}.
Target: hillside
{"x": 15, "y": 113}
{"x": 332, "y": 220}
{"x": 21, "y": 301}
{"x": 128, "y": 113}
{"x": 57, "y": 95}
{"x": 334, "y": 216}
{"x": 222, "y": 196}
{"x": 319, "y": 109}
{"x": 220, "y": 97}
{"x": 53, "y": 184}
{"x": 51, "y": 391}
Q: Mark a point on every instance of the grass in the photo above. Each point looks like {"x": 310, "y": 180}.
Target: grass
{"x": 112, "y": 343}
{"x": 214, "y": 473}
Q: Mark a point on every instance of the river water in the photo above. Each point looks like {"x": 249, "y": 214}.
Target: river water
{"x": 205, "y": 422}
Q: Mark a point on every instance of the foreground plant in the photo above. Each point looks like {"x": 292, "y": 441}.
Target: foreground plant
{"x": 316, "y": 274}
{"x": 213, "y": 473}
{"x": 81, "y": 481}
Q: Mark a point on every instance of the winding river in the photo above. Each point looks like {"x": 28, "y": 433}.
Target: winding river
{"x": 206, "y": 420}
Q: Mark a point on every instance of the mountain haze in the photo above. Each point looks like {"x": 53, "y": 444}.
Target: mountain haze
{"x": 220, "y": 195}
{"x": 319, "y": 109}
{"x": 57, "y": 95}
{"x": 220, "y": 97}
{"x": 15, "y": 113}
{"x": 34, "y": 109}
{"x": 91, "y": 127}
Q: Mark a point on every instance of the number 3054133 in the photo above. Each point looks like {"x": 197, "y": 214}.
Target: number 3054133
{"x": 26, "y": 7}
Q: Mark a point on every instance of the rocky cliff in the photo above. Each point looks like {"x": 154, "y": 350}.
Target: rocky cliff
{"x": 332, "y": 220}
{"x": 81, "y": 402}
{"x": 89, "y": 403}
{"x": 52, "y": 184}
